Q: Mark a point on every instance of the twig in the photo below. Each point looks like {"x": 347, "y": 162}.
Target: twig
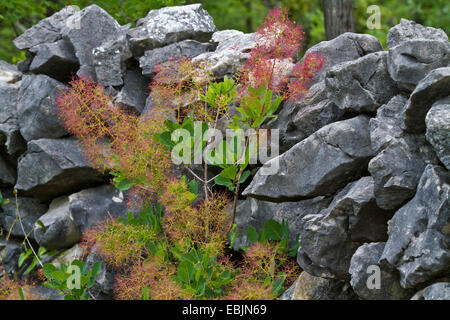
{"x": 23, "y": 230}
{"x": 194, "y": 174}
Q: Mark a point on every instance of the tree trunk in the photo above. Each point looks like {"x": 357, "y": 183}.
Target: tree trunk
{"x": 339, "y": 17}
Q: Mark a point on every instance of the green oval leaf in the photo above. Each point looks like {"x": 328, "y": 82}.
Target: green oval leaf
{"x": 273, "y": 230}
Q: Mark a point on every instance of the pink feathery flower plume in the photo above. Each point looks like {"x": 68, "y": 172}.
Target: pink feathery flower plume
{"x": 270, "y": 62}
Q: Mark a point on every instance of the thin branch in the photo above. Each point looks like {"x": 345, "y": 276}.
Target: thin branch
{"x": 23, "y": 230}
{"x": 195, "y": 175}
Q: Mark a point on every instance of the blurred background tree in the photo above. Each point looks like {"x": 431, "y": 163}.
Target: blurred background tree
{"x": 246, "y": 15}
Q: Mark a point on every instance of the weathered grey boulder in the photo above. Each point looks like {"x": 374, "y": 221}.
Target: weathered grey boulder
{"x": 30, "y": 210}
{"x": 109, "y": 60}
{"x": 231, "y": 53}
{"x": 47, "y": 30}
{"x": 9, "y": 73}
{"x": 60, "y": 230}
{"x": 363, "y": 270}
{"x": 362, "y": 85}
{"x": 62, "y": 169}
{"x": 401, "y": 157}
{"x": 9, "y": 128}
{"x": 67, "y": 256}
{"x": 9, "y": 255}
{"x": 398, "y": 168}
{"x": 56, "y": 60}
{"x": 408, "y": 30}
{"x": 437, "y": 291}
{"x": 103, "y": 288}
{"x": 418, "y": 240}
{"x": 92, "y": 206}
{"x": 299, "y": 119}
{"x": 308, "y": 287}
{"x": 346, "y": 47}
{"x": 186, "y": 48}
{"x": 329, "y": 238}
{"x": 36, "y": 109}
{"x": 435, "y": 86}
{"x": 438, "y": 129}
{"x": 135, "y": 90}
{"x": 93, "y": 27}
{"x": 171, "y": 24}
{"x": 69, "y": 216}
{"x": 319, "y": 165}
{"x": 7, "y": 173}
{"x": 386, "y": 126}
{"x": 254, "y": 213}
{"x": 223, "y": 35}
{"x": 411, "y": 61}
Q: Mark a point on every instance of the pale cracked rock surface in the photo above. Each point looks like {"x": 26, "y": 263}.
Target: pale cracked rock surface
{"x": 171, "y": 24}
{"x": 408, "y": 30}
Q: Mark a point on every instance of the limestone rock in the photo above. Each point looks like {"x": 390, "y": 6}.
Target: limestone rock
{"x": 362, "y": 85}
{"x": 186, "y": 48}
{"x": 30, "y": 210}
{"x": 363, "y": 265}
{"x": 329, "y": 239}
{"x": 411, "y": 61}
{"x": 231, "y": 53}
{"x": 408, "y": 30}
{"x": 62, "y": 169}
{"x": 438, "y": 130}
{"x": 47, "y": 30}
{"x": 169, "y": 25}
{"x": 437, "y": 291}
{"x": 93, "y": 28}
{"x": 109, "y": 61}
{"x": 317, "y": 166}
{"x": 254, "y": 213}
{"x": 56, "y": 60}
{"x": 308, "y": 287}
{"x": 36, "y": 109}
{"x": 419, "y": 236}
{"x": 398, "y": 168}
{"x": 435, "y": 86}
{"x": 60, "y": 230}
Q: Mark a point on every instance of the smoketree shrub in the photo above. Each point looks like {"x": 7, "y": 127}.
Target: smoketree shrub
{"x": 176, "y": 248}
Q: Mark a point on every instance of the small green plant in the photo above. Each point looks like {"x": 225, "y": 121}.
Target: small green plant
{"x": 41, "y": 254}
{"x": 201, "y": 274}
{"x": 150, "y": 216}
{"x": 274, "y": 232}
{"x": 73, "y": 280}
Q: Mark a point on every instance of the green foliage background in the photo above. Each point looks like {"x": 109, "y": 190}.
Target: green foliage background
{"x": 18, "y": 15}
